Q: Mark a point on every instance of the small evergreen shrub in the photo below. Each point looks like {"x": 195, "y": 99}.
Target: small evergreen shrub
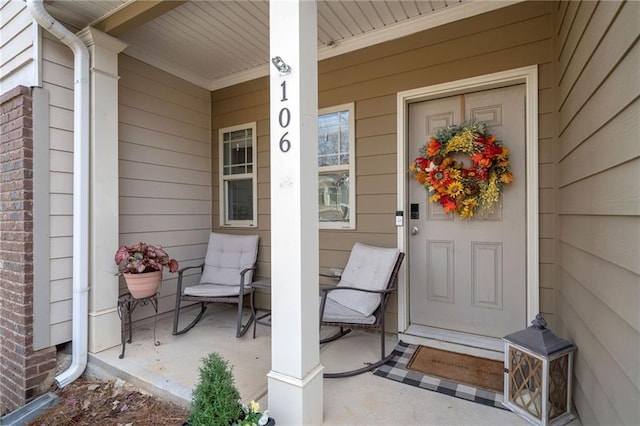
{"x": 215, "y": 399}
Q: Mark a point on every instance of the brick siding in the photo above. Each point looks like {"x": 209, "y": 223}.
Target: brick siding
{"x": 25, "y": 374}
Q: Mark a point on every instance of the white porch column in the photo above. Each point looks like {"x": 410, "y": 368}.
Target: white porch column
{"x": 295, "y": 380}
{"x": 104, "y": 323}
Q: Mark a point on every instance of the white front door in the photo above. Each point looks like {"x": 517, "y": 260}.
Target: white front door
{"x": 468, "y": 277}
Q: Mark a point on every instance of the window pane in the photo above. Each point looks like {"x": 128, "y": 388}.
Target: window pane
{"x": 333, "y": 139}
{"x": 240, "y": 199}
{"x": 327, "y": 148}
{"x": 344, "y": 139}
{"x": 333, "y": 197}
{"x": 237, "y": 152}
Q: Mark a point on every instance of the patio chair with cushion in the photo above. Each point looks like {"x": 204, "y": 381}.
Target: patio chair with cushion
{"x": 360, "y": 298}
{"x": 226, "y": 277}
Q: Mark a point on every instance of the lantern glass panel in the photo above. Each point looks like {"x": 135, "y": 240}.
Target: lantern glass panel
{"x": 526, "y": 384}
{"x": 558, "y": 382}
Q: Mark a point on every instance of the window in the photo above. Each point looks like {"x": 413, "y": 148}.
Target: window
{"x": 238, "y": 183}
{"x": 336, "y": 168}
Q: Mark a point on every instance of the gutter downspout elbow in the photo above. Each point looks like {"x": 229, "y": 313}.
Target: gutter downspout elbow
{"x": 80, "y": 189}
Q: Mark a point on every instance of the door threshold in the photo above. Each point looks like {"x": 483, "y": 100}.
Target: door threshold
{"x": 470, "y": 344}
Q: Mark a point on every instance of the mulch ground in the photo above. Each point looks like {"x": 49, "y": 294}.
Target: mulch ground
{"x": 92, "y": 402}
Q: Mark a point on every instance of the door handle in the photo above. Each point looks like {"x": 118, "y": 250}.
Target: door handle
{"x": 414, "y": 230}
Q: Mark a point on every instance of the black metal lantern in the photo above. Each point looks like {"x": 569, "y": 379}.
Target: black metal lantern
{"x": 538, "y": 375}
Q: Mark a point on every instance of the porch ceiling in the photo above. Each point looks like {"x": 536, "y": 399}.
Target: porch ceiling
{"x": 219, "y": 43}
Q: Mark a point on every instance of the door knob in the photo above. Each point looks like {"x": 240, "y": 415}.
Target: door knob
{"x": 414, "y": 230}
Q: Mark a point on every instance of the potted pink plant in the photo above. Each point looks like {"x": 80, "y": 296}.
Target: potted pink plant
{"x": 141, "y": 266}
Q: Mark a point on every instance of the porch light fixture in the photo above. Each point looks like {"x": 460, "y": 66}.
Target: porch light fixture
{"x": 538, "y": 375}
{"x": 280, "y": 65}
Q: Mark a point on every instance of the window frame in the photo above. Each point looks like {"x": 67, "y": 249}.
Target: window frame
{"x": 223, "y": 179}
{"x": 351, "y": 224}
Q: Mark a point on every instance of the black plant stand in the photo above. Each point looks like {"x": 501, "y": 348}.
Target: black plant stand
{"x": 126, "y": 305}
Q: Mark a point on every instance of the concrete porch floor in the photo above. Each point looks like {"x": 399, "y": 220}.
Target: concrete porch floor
{"x": 171, "y": 370}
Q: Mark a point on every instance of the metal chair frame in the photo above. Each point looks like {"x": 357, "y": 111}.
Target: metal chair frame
{"x": 241, "y": 329}
{"x": 345, "y": 327}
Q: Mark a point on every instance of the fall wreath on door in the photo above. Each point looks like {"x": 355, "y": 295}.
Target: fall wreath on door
{"x": 463, "y": 188}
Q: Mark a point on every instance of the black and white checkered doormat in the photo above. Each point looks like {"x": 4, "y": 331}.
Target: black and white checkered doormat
{"x": 396, "y": 369}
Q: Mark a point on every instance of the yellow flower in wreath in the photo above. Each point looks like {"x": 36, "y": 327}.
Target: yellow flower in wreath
{"x": 455, "y": 189}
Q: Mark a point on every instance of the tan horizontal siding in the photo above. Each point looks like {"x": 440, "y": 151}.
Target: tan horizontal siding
{"x": 583, "y": 12}
{"x": 167, "y": 124}
{"x": 586, "y": 398}
{"x": 595, "y": 154}
{"x": 612, "y": 48}
{"x": 60, "y": 74}
{"x": 63, "y": 98}
{"x": 621, "y": 293}
{"x": 609, "y": 390}
{"x": 612, "y": 96}
{"x": 615, "y": 239}
{"x": 57, "y": 79}
{"x": 547, "y": 225}
{"x": 573, "y": 61}
{"x": 60, "y": 139}
{"x": 164, "y": 167}
{"x": 153, "y": 104}
{"x": 608, "y": 197}
{"x": 546, "y": 183}
{"x": 161, "y": 88}
{"x": 140, "y": 188}
{"x": 17, "y": 65}
{"x": 173, "y": 143}
{"x": 60, "y": 290}
{"x": 598, "y": 195}
{"x": 61, "y": 332}
{"x": 155, "y": 79}
{"x": 617, "y": 336}
{"x": 61, "y": 205}
{"x": 504, "y": 39}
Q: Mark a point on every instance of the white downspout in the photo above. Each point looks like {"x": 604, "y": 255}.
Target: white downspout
{"x": 80, "y": 189}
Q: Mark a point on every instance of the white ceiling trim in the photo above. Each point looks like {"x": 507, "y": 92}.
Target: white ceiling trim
{"x": 240, "y": 77}
{"x": 441, "y": 17}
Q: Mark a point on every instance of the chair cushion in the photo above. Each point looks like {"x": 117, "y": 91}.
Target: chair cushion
{"x": 369, "y": 268}
{"x": 227, "y": 255}
{"x": 214, "y": 290}
{"x": 335, "y": 312}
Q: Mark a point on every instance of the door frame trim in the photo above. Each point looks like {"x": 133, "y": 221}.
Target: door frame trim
{"x": 527, "y": 75}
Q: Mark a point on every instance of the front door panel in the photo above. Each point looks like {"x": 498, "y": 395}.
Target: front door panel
{"x": 469, "y": 276}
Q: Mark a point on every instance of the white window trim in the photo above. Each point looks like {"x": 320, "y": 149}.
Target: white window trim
{"x": 352, "y": 167}
{"x": 222, "y": 178}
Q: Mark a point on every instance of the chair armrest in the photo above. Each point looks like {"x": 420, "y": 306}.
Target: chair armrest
{"x": 243, "y": 273}
{"x": 180, "y": 274}
{"x": 334, "y": 277}
{"x": 365, "y": 290}
{"x": 247, "y": 269}
{"x": 181, "y": 271}
{"x": 326, "y": 291}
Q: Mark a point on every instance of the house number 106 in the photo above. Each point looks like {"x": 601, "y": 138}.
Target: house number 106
{"x": 284, "y": 118}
